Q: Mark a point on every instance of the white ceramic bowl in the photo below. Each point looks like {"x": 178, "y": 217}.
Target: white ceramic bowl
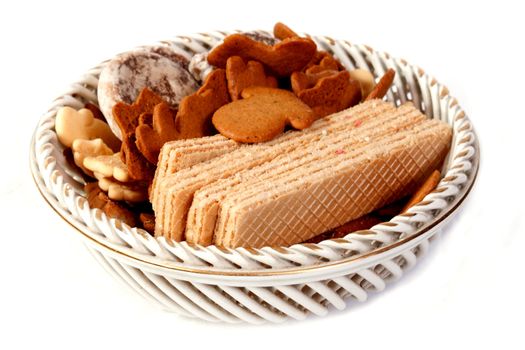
{"x": 272, "y": 283}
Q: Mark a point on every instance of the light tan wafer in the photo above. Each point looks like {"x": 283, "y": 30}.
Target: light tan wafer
{"x": 202, "y": 214}
{"x": 315, "y": 200}
{"x": 181, "y": 154}
{"x": 176, "y": 191}
{"x": 264, "y": 189}
{"x": 250, "y": 156}
{"x": 180, "y": 192}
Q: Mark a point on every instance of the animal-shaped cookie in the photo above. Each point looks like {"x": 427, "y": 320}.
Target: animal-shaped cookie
{"x": 301, "y": 81}
{"x": 192, "y": 120}
{"x": 281, "y": 31}
{"x": 83, "y": 149}
{"x": 380, "y": 90}
{"x": 124, "y": 191}
{"x": 127, "y": 115}
{"x": 332, "y": 94}
{"x": 283, "y": 58}
{"x": 108, "y": 166}
{"x": 261, "y": 115}
{"x": 241, "y": 75}
{"x": 71, "y": 125}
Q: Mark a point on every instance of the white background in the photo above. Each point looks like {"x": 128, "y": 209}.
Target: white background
{"x": 468, "y": 291}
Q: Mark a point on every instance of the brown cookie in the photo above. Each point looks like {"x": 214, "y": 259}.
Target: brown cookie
{"x": 426, "y": 187}
{"x": 241, "y": 75}
{"x": 261, "y": 115}
{"x": 327, "y": 63}
{"x": 380, "y": 90}
{"x": 152, "y": 136}
{"x": 301, "y": 81}
{"x": 148, "y": 222}
{"x": 281, "y": 31}
{"x": 98, "y": 199}
{"x": 332, "y": 94}
{"x": 283, "y": 58}
{"x": 139, "y": 168}
{"x": 127, "y": 116}
{"x": 323, "y": 60}
{"x": 192, "y": 120}
{"x": 195, "y": 111}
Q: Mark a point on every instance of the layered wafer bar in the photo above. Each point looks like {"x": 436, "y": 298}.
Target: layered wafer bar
{"x": 175, "y": 192}
{"x": 204, "y": 210}
{"x": 322, "y": 195}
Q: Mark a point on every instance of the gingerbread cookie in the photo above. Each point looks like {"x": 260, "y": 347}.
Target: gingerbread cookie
{"x": 327, "y": 63}
{"x": 199, "y": 66}
{"x": 323, "y": 60}
{"x": 380, "y": 90}
{"x": 152, "y": 135}
{"x": 195, "y": 111}
{"x": 301, "y": 81}
{"x": 426, "y": 187}
{"x": 332, "y": 94}
{"x": 281, "y": 31}
{"x": 139, "y": 168}
{"x": 261, "y": 115}
{"x": 126, "y": 75}
{"x": 127, "y": 116}
{"x": 148, "y": 222}
{"x": 98, "y": 199}
{"x": 241, "y": 75}
{"x": 283, "y": 58}
{"x": 192, "y": 120}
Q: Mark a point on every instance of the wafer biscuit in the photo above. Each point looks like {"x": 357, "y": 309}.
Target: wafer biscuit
{"x": 203, "y": 212}
{"x": 175, "y": 192}
{"x": 326, "y": 194}
{"x": 181, "y": 154}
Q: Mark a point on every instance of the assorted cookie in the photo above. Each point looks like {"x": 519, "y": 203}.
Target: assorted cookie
{"x": 161, "y": 70}
{"x": 241, "y": 121}
{"x": 262, "y": 114}
{"x": 71, "y": 125}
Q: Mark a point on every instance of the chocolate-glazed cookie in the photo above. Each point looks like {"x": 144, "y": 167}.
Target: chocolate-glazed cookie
{"x": 158, "y": 68}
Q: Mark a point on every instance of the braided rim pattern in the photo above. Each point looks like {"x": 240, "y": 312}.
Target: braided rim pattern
{"x": 61, "y": 184}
